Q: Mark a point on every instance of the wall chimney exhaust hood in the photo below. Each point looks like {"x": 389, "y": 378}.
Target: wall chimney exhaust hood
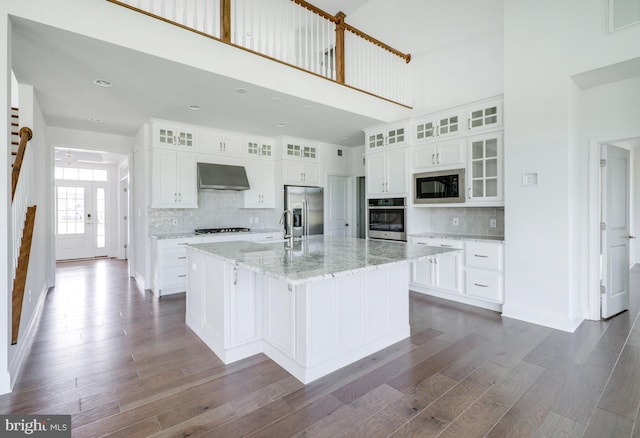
{"x": 222, "y": 177}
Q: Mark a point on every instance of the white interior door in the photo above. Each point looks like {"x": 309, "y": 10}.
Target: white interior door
{"x": 337, "y": 214}
{"x": 615, "y": 236}
{"x": 81, "y": 219}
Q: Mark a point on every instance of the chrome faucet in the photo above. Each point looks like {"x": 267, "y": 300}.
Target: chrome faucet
{"x": 287, "y": 219}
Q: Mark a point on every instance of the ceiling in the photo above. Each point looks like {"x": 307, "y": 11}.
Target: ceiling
{"x": 145, "y": 86}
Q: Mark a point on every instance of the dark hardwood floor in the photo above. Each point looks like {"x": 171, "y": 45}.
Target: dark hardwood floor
{"x": 123, "y": 363}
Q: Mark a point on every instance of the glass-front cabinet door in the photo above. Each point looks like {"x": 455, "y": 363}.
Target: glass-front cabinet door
{"x": 488, "y": 115}
{"x": 485, "y": 168}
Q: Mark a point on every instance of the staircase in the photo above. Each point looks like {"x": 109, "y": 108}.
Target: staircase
{"x": 23, "y": 217}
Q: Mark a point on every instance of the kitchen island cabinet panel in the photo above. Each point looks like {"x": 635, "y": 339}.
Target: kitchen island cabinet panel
{"x": 325, "y": 302}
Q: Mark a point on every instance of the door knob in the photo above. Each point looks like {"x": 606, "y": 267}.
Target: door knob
{"x": 631, "y": 237}
{"x": 346, "y": 225}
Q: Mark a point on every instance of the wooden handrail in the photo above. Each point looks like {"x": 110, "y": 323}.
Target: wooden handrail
{"x": 338, "y": 19}
{"x": 361, "y": 34}
{"x": 225, "y": 21}
{"x": 25, "y": 135}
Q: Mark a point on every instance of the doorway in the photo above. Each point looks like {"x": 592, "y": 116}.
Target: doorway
{"x": 615, "y": 198}
{"x": 81, "y": 213}
{"x": 337, "y": 206}
{"x": 362, "y": 208}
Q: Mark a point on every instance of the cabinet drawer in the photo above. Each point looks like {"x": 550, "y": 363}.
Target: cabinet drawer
{"x": 173, "y": 275}
{"x": 484, "y": 284}
{"x": 444, "y": 243}
{"x": 172, "y": 257}
{"x": 484, "y": 255}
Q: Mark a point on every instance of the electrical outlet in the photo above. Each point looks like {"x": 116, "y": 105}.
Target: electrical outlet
{"x": 492, "y": 223}
{"x": 456, "y": 222}
{"x": 174, "y": 222}
{"x": 251, "y": 219}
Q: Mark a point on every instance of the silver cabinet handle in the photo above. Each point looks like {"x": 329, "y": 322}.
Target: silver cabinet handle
{"x": 433, "y": 158}
{"x": 469, "y": 124}
{"x": 481, "y": 285}
{"x": 182, "y": 258}
{"x": 631, "y": 237}
{"x": 175, "y": 197}
{"x": 421, "y": 243}
{"x": 447, "y": 246}
{"x": 235, "y": 276}
{"x": 481, "y": 256}
{"x": 470, "y": 193}
{"x": 438, "y": 158}
{"x": 182, "y": 276}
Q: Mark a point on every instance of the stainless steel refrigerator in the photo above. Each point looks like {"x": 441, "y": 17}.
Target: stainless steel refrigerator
{"x": 307, "y": 206}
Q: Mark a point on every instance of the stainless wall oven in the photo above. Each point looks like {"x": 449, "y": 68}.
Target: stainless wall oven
{"x": 387, "y": 219}
{"x": 444, "y": 186}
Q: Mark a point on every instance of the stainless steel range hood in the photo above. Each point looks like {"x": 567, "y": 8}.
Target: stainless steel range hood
{"x": 222, "y": 177}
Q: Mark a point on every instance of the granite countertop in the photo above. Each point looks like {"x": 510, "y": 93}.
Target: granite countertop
{"x": 316, "y": 257}
{"x": 184, "y": 234}
{"x": 459, "y": 236}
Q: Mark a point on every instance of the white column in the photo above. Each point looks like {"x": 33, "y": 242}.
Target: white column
{"x": 5, "y": 201}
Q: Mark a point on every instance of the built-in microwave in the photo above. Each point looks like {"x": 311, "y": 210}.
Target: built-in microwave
{"x": 443, "y": 186}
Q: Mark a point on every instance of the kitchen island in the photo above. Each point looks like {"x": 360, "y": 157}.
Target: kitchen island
{"x": 312, "y": 308}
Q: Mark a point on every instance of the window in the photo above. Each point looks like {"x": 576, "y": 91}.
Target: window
{"x": 623, "y": 13}
{"x": 71, "y": 210}
{"x": 80, "y": 174}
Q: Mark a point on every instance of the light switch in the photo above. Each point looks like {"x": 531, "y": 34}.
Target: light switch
{"x": 530, "y": 179}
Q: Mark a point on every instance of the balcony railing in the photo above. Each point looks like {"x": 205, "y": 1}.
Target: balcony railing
{"x": 296, "y": 33}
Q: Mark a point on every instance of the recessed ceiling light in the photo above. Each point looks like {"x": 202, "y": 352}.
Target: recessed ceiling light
{"x": 102, "y": 83}
{"x": 344, "y": 137}
{"x": 280, "y": 125}
{"x": 91, "y": 119}
{"x": 241, "y": 90}
{"x": 276, "y": 99}
{"x": 194, "y": 107}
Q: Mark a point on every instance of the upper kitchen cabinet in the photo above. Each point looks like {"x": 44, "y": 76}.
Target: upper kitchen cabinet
{"x": 258, "y": 148}
{"x": 219, "y": 142}
{"x": 484, "y": 170}
{"x": 484, "y": 116}
{"x": 395, "y": 135}
{"x": 300, "y": 165}
{"x": 429, "y": 128}
{"x": 173, "y": 135}
{"x": 434, "y": 155}
{"x": 261, "y": 175}
{"x": 386, "y": 173}
{"x": 173, "y": 180}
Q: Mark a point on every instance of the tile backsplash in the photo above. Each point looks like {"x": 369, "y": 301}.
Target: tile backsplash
{"x": 216, "y": 209}
{"x": 471, "y": 220}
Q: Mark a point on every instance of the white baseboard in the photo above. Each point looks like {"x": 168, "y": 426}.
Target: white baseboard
{"x": 5, "y": 383}
{"x": 139, "y": 281}
{"x": 25, "y": 341}
{"x": 457, "y": 298}
{"x": 551, "y": 320}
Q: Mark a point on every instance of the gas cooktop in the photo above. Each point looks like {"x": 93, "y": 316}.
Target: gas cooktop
{"x": 222, "y": 230}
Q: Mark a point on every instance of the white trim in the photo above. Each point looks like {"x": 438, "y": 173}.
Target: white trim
{"x": 496, "y": 307}
{"x": 592, "y": 309}
{"x": 139, "y": 281}
{"x": 548, "y": 319}
{"x": 25, "y": 341}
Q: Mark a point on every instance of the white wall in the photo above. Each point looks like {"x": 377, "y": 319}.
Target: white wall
{"x": 545, "y": 228}
{"x": 98, "y": 141}
{"x": 139, "y": 263}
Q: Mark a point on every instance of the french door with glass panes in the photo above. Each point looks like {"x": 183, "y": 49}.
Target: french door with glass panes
{"x": 80, "y": 220}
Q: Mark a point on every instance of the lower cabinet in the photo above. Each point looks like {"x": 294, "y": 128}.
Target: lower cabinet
{"x": 222, "y": 306}
{"x": 473, "y": 275}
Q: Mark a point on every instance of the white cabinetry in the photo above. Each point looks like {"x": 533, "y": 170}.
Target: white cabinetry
{"x": 169, "y": 258}
{"x": 300, "y": 165}
{"x": 484, "y": 171}
{"x": 485, "y": 116}
{"x": 387, "y": 173}
{"x": 439, "y": 154}
{"x": 261, "y": 175}
{"x": 255, "y": 147}
{"x": 173, "y": 179}
{"x": 395, "y": 135}
{"x": 435, "y": 126}
{"x": 227, "y": 317}
{"x": 473, "y": 275}
{"x": 170, "y": 135}
{"x": 219, "y": 142}
{"x": 484, "y": 265}
{"x": 441, "y": 272}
